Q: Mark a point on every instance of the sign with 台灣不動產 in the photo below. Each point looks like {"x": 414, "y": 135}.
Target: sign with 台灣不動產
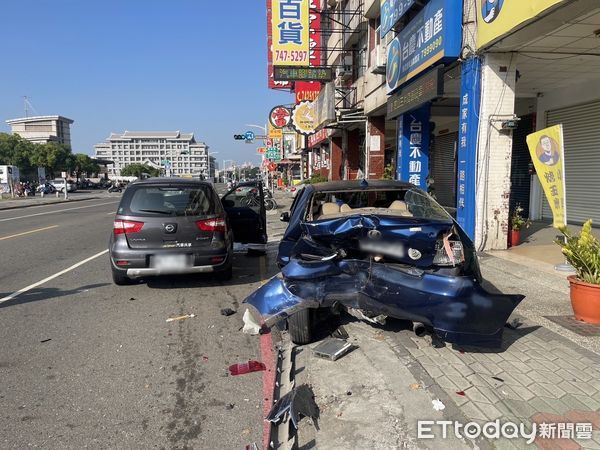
{"x": 290, "y": 33}
{"x": 391, "y": 12}
{"x": 497, "y": 18}
{"x": 433, "y": 35}
{"x": 411, "y": 96}
{"x": 547, "y": 153}
{"x": 412, "y": 162}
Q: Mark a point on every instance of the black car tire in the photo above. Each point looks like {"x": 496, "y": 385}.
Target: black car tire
{"x": 300, "y": 327}
{"x": 119, "y": 279}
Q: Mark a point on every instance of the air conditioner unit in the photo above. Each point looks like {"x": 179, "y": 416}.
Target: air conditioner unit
{"x": 378, "y": 59}
{"x": 343, "y": 72}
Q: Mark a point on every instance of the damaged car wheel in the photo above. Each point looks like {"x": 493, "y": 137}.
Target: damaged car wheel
{"x": 300, "y": 327}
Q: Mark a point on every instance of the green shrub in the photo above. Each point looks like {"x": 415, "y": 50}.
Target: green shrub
{"x": 582, "y": 252}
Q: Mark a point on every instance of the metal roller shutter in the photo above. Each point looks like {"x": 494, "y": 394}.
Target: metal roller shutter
{"x": 443, "y": 169}
{"x": 582, "y": 161}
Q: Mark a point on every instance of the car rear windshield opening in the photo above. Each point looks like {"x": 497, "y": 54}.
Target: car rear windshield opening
{"x": 172, "y": 201}
{"x": 410, "y": 203}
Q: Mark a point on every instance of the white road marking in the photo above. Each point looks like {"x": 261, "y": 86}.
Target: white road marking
{"x": 57, "y": 211}
{"x": 51, "y": 277}
{"x": 27, "y": 232}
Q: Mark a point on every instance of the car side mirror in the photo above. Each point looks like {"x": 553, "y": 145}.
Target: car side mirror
{"x": 285, "y": 217}
{"x": 228, "y": 203}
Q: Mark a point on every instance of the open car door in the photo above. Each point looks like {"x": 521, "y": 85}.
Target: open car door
{"x": 245, "y": 207}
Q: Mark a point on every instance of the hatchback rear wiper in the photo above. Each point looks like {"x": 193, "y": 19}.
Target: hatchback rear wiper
{"x": 158, "y": 211}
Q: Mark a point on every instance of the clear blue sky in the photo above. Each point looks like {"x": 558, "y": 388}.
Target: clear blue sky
{"x": 196, "y": 66}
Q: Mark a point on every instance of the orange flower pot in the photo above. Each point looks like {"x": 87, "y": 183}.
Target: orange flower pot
{"x": 514, "y": 238}
{"x": 585, "y": 300}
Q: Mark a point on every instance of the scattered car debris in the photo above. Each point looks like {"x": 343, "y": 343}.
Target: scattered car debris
{"x": 340, "y": 333}
{"x": 204, "y": 358}
{"x": 438, "y": 405}
{"x": 185, "y": 316}
{"x": 251, "y": 326}
{"x": 227, "y": 312}
{"x": 415, "y": 386}
{"x": 332, "y": 348}
{"x": 379, "y": 320}
{"x": 498, "y": 379}
{"x": 230, "y": 406}
{"x": 299, "y": 401}
{"x": 252, "y": 446}
{"x": 131, "y": 299}
{"x": 45, "y": 340}
{"x": 247, "y": 367}
{"x": 461, "y": 393}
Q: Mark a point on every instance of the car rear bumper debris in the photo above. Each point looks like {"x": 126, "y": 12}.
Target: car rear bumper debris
{"x": 457, "y": 308}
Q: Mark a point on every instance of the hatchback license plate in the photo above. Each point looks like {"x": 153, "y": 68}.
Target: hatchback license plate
{"x": 170, "y": 262}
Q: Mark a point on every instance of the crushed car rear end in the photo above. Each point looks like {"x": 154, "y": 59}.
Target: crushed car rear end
{"x": 384, "y": 249}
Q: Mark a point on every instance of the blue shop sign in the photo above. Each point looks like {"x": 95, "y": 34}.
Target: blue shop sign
{"x": 435, "y": 34}
{"x": 391, "y": 12}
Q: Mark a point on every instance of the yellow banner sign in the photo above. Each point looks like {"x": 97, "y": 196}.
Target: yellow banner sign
{"x": 547, "y": 153}
{"x": 274, "y": 133}
{"x": 289, "y": 27}
{"x": 496, "y": 18}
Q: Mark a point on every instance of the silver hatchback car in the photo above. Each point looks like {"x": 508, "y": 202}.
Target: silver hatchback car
{"x": 167, "y": 226}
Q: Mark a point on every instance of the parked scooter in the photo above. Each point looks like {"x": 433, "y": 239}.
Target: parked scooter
{"x": 116, "y": 187}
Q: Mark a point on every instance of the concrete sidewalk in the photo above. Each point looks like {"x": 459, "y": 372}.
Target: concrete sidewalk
{"x": 544, "y": 373}
{"x": 37, "y": 200}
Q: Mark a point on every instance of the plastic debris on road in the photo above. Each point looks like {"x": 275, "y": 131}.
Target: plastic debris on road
{"x": 438, "y": 405}
{"x": 332, "y": 348}
{"x": 247, "y": 367}
{"x": 299, "y": 401}
{"x": 227, "y": 312}
{"x": 185, "y": 316}
{"x": 250, "y": 324}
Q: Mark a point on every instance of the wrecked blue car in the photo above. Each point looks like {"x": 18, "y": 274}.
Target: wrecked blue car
{"x": 379, "y": 249}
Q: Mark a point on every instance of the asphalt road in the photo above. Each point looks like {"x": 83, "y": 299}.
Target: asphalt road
{"x": 84, "y": 363}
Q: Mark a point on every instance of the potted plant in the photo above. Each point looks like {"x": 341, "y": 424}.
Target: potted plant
{"x": 517, "y": 222}
{"x": 583, "y": 253}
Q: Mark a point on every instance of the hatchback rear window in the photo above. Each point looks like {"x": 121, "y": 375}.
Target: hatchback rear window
{"x": 171, "y": 201}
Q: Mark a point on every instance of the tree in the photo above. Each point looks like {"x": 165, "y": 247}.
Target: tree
{"x": 84, "y": 164}
{"x": 136, "y": 170}
{"x": 54, "y": 157}
{"x": 15, "y": 151}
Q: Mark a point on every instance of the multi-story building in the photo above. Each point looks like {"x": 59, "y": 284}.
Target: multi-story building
{"x": 43, "y": 129}
{"x": 445, "y": 92}
{"x": 175, "y": 153}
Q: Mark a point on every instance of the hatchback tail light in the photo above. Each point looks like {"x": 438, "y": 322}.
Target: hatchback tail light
{"x": 217, "y": 224}
{"x": 448, "y": 252}
{"x": 127, "y": 226}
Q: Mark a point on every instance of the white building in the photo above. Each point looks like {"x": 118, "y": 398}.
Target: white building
{"x": 43, "y": 129}
{"x": 175, "y": 153}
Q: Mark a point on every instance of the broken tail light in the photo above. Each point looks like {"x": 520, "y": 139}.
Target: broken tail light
{"x": 127, "y": 226}
{"x": 448, "y": 252}
{"x": 216, "y": 224}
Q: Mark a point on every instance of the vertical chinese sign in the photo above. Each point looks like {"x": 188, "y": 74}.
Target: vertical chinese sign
{"x": 413, "y": 147}
{"x": 289, "y": 30}
{"x": 470, "y": 100}
{"x": 271, "y": 82}
{"x": 309, "y": 90}
{"x": 547, "y": 153}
